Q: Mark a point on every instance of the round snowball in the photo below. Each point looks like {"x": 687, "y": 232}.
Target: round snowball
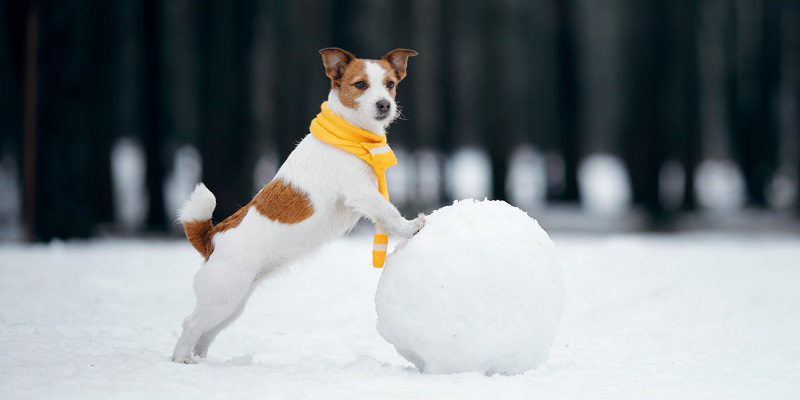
{"x": 479, "y": 288}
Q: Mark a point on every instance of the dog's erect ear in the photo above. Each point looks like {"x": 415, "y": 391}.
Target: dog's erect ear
{"x": 335, "y": 60}
{"x": 398, "y": 59}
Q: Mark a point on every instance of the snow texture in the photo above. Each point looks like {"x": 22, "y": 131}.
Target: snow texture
{"x": 428, "y": 179}
{"x": 526, "y": 184}
{"x": 187, "y": 169}
{"x": 400, "y": 178}
{"x": 128, "y": 165}
{"x": 671, "y": 183}
{"x": 10, "y": 198}
{"x": 782, "y": 190}
{"x": 720, "y": 186}
{"x": 701, "y": 316}
{"x": 604, "y": 185}
{"x": 265, "y": 169}
{"x": 469, "y": 174}
{"x": 479, "y": 288}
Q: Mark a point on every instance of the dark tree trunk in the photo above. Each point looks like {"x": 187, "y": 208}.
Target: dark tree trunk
{"x": 644, "y": 129}
{"x": 446, "y": 83}
{"x": 226, "y": 149}
{"x": 17, "y": 77}
{"x": 152, "y": 137}
{"x": 766, "y": 135}
{"x": 64, "y": 145}
{"x": 101, "y": 126}
{"x": 14, "y": 17}
{"x": 754, "y": 76}
{"x": 567, "y": 96}
{"x": 291, "y": 87}
{"x": 425, "y": 73}
{"x": 731, "y": 74}
{"x": 685, "y": 19}
{"x": 178, "y": 72}
{"x": 467, "y": 67}
{"x": 793, "y": 43}
{"x": 494, "y": 100}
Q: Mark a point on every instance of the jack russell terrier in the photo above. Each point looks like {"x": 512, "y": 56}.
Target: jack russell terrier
{"x": 333, "y": 177}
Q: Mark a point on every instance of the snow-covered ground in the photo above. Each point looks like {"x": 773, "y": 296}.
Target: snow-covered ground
{"x": 689, "y": 316}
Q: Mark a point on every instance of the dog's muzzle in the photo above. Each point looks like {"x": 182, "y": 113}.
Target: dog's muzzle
{"x": 383, "y": 108}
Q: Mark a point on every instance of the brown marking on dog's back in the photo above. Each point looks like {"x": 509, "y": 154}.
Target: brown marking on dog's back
{"x": 281, "y": 202}
{"x": 232, "y": 221}
{"x": 278, "y": 201}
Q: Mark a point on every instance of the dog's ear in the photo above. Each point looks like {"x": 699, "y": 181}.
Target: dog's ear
{"x": 335, "y": 61}
{"x": 398, "y": 59}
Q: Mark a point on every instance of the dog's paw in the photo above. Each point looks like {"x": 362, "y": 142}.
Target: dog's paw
{"x": 413, "y": 226}
{"x": 184, "y": 360}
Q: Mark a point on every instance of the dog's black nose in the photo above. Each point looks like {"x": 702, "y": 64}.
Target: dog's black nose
{"x": 383, "y": 106}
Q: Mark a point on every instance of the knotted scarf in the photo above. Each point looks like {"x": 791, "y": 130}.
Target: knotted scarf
{"x": 373, "y": 149}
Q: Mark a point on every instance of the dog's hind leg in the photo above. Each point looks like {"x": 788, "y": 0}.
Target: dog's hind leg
{"x": 202, "y": 345}
{"x": 220, "y": 290}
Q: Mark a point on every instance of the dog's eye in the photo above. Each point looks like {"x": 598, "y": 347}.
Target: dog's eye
{"x": 390, "y": 84}
{"x": 360, "y": 85}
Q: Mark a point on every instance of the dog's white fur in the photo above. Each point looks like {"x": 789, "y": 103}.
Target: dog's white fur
{"x": 200, "y": 205}
{"x": 341, "y": 188}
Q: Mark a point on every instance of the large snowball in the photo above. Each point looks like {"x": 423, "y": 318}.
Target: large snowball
{"x": 479, "y": 288}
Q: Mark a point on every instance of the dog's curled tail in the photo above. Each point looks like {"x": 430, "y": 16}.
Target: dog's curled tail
{"x": 195, "y": 215}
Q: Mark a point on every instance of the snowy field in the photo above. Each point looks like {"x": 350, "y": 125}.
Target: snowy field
{"x": 689, "y": 316}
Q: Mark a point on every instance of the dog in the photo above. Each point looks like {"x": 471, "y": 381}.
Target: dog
{"x": 318, "y": 194}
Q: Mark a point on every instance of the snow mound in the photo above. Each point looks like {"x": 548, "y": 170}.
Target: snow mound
{"x": 479, "y": 288}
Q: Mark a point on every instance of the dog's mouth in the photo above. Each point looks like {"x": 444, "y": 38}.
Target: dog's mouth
{"x": 380, "y": 116}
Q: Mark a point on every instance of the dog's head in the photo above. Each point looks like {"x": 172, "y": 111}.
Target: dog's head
{"x": 363, "y": 91}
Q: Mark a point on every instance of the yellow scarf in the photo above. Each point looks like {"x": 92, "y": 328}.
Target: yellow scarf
{"x": 373, "y": 149}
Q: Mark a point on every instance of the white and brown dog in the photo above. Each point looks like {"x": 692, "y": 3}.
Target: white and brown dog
{"x": 318, "y": 194}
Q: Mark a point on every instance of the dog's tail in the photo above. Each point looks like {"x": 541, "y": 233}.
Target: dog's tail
{"x": 195, "y": 215}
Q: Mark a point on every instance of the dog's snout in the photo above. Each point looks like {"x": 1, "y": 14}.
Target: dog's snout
{"x": 383, "y": 105}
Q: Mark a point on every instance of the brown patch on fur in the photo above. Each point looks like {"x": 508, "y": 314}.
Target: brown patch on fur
{"x": 199, "y": 234}
{"x": 278, "y": 201}
{"x": 355, "y": 72}
{"x": 232, "y": 221}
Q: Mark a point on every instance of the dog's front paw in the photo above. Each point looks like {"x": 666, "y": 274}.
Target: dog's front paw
{"x": 413, "y": 226}
{"x": 184, "y": 360}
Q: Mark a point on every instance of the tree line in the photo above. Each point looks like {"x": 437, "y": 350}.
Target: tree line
{"x": 650, "y": 81}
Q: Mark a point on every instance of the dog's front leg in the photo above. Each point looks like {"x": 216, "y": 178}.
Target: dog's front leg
{"x": 371, "y": 204}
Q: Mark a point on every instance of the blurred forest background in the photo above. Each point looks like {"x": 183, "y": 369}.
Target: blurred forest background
{"x": 590, "y": 114}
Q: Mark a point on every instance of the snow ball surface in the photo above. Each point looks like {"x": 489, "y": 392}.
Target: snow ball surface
{"x": 479, "y": 288}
